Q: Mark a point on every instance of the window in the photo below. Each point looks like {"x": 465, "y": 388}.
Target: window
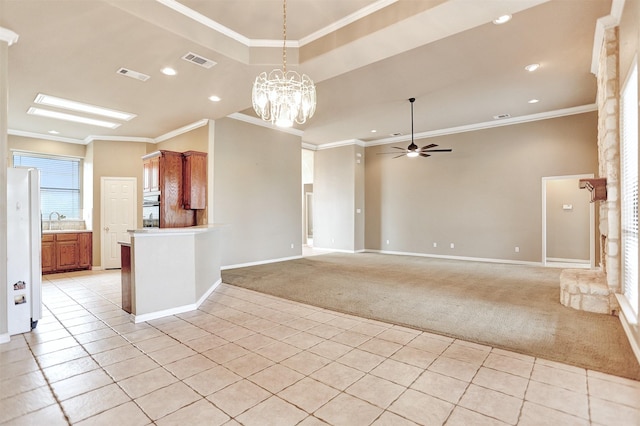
{"x": 59, "y": 183}
{"x": 629, "y": 187}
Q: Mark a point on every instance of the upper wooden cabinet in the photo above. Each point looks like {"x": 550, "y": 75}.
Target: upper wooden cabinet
{"x": 181, "y": 179}
{"x": 194, "y": 180}
{"x": 151, "y": 172}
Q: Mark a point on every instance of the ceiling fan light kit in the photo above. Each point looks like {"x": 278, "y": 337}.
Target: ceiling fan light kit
{"x": 413, "y": 150}
{"x": 284, "y": 97}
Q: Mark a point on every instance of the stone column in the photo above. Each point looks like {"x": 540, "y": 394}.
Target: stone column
{"x": 609, "y": 156}
{"x": 7, "y": 38}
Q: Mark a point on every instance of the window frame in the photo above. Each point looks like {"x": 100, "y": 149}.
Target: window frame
{"x": 80, "y": 188}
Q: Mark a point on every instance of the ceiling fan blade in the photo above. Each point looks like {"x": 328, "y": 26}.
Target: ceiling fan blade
{"x": 397, "y": 147}
{"x": 382, "y": 153}
{"x": 422, "y": 154}
{"x": 432, "y": 145}
{"x": 437, "y": 150}
{"x": 398, "y": 156}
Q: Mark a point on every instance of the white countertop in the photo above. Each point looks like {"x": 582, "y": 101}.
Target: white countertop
{"x": 171, "y": 231}
{"x": 65, "y": 231}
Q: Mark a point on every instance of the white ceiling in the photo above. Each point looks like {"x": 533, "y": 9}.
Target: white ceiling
{"x": 367, "y": 58}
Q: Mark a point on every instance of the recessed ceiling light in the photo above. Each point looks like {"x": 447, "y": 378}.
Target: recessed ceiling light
{"x": 214, "y": 98}
{"x": 80, "y": 107}
{"x": 533, "y": 101}
{"x": 54, "y": 132}
{"x": 70, "y": 117}
{"x": 532, "y": 67}
{"x": 374, "y": 131}
{"x": 502, "y": 19}
{"x": 168, "y": 71}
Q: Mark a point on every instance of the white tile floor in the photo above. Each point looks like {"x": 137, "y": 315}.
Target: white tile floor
{"x": 252, "y": 359}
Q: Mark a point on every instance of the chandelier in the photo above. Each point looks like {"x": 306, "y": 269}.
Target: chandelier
{"x": 284, "y": 97}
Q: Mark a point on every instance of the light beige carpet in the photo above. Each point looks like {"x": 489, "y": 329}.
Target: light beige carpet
{"x": 512, "y": 307}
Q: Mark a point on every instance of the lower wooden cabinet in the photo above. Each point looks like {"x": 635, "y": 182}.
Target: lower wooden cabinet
{"x": 85, "y": 250}
{"x": 66, "y": 251}
{"x": 48, "y": 253}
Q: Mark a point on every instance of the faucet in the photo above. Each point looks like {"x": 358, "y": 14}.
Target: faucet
{"x": 50, "y": 215}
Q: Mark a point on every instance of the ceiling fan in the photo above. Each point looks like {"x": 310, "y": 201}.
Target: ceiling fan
{"x": 413, "y": 150}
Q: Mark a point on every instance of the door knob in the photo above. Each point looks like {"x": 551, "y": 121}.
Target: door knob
{"x": 106, "y": 228}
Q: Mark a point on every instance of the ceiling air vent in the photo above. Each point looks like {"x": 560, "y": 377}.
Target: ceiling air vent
{"x": 501, "y": 116}
{"x": 198, "y": 60}
{"x": 133, "y": 74}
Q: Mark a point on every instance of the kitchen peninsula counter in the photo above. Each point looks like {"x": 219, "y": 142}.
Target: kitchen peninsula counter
{"x": 166, "y": 271}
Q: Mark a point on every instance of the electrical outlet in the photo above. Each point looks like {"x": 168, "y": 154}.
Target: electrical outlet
{"x": 333, "y": 241}
{"x": 453, "y": 245}
{"x": 387, "y": 241}
{"x": 291, "y": 245}
{"x": 517, "y": 249}
{"x": 435, "y": 244}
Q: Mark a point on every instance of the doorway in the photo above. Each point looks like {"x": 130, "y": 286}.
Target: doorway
{"x": 117, "y": 215}
{"x": 568, "y": 223}
{"x": 307, "y": 200}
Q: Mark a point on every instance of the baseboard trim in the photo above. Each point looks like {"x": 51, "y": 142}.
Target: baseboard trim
{"x": 629, "y": 325}
{"x": 474, "y": 259}
{"x": 259, "y": 262}
{"x": 5, "y": 338}
{"x": 178, "y": 310}
{"x": 339, "y": 250}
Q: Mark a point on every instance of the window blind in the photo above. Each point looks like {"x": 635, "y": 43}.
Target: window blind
{"x": 59, "y": 183}
{"x": 629, "y": 163}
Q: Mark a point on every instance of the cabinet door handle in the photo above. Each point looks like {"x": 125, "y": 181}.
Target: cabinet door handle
{"x": 106, "y": 228}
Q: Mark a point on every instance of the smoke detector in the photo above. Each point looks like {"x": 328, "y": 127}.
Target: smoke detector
{"x": 501, "y": 116}
{"x": 199, "y": 60}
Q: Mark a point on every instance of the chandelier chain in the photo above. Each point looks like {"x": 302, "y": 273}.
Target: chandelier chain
{"x": 284, "y": 36}
{"x": 284, "y": 97}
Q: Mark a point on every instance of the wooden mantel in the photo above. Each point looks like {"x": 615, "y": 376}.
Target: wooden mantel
{"x": 597, "y": 187}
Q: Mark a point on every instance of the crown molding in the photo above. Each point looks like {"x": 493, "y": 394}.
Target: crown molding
{"x": 181, "y": 130}
{"x": 34, "y": 135}
{"x": 8, "y": 36}
{"x": 341, "y": 143}
{"x": 258, "y": 122}
{"x": 206, "y": 21}
{"x": 603, "y": 24}
{"x": 488, "y": 124}
{"x": 309, "y": 146}
{"x": 92, "y": 138}
{"x": 215, "y": 26}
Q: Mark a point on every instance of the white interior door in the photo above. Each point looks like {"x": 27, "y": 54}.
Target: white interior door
{"x": 118, "y": 214}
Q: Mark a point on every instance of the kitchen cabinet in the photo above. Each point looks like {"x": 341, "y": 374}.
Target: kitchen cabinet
{"x": 181, "y": 179}
{"x": 48, "y": 253}
{"x": 85, "y": 250}
{"x": 194, "y": 180}
{"x": 151, "y": 172}
{"x": 66, "y": 251}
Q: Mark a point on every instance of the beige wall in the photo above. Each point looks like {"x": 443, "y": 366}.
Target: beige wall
{"x": 336, "y": 198}
{"x": 195, "y": 140}
{"x": 484, "y": 197}
{"x": 113, "y": 159}
{"x": 568, "y": 229}
{"x": 257, "y": 192}
{"x": 43, "y": 146}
